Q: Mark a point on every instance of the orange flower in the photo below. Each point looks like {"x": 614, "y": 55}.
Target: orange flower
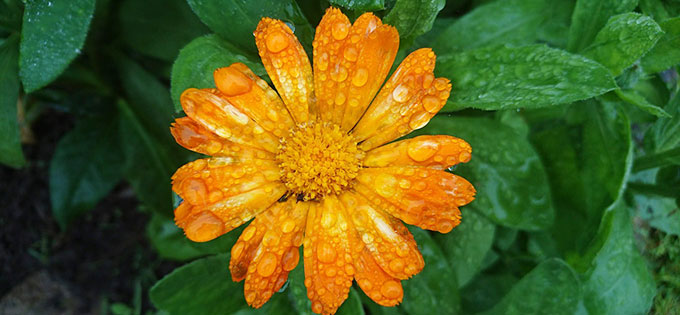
{"x": 312, "y": 166}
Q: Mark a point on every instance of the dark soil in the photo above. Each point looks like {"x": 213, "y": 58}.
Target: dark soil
{"x": 98, "y": 260}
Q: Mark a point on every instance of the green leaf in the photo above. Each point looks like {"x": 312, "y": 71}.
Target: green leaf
{"x": 10, "y": 138}
{"x": 359, "y": 5}
{"x": 633, "y": 98}
{"x": 201, "y": 287}
{"x": 659, "y": 211}
{"x": 352, "y": 305}
{"x": 198, "y": 60}
{"x": 159, "y": 33}
{"x": 550, "y": 288}
{"x": 297, "y": 292}
{"x": 170, "y": 242}
{"x": 467, "y": 245}
{"x": 666, "y": 131}
{"x": 623, "y": 40}
{"x": 498, "y": 22}
{"x": 84, "y": 167}
{"x": 521, "y": 77}
{"x": 666, "y": 53}
{"x": 236, "y": 20}
{"x": 52, "y": 35}
{"x": 435, "y": 287}
{"x": 590, "y": 16}
{"x": 512, "y": 188}
{"x": 659, "y": 159}
{"x": 485, "y": 291}
{"x": 660, "y": 10}
{"x": 616, "y": 279}
{"x": 588, "y": 155}
{"x": 413, "y": 18}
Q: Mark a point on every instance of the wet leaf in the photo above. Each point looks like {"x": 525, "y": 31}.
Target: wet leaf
{"x": 521, "y": 77}
{"x": 10, "y": 138}
{"x": 52, "y": 35}
{"x": 590, "y": 16}
{"x": 632, "y": 97}
{"x": 665, "y": 132}
{"x": 413, "y": 18}
{"x": 359, "y": 5}
{"x": 511, "y": 183}
{"x": 666, "y": 53}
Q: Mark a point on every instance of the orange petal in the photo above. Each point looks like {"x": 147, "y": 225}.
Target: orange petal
{"x": 225, "y": 120}
{"x": 327, "y": 256}
{"x": 191, "y": 135}
{"x": 254, "y": 97}
{"x": 438, "y": 152}
{"x": 277, "y": 253}
{"x": 202, "y": 223}
{"x": 417, "y": 195}
{"x": 350, "y": 64}
{"x": 375, "y": 282}
{"x": 406, "y": 103}
{"x": 391, "y": 244}
{"x": 288, "y": 66}
{"x": 207, "y": 181}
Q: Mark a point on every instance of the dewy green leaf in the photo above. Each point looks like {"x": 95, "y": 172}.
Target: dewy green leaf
{"x": 666, "y": 53}
{"x": 413, "y": 18}
{"x": 359, "y": 5}
{"x": 623, "y": 40}
{"x": 666, "y": 131}
{"x": 588, "y": 157}
{"x": 498, "y": 22}
{"x": 435, "y": 287}
{"x": 198, "y": 60}
{"x": 10, "y": 139}
{"x": 156, "y": 32}
{"x": 521, "y": 77}
{"x": 616, "y": 278}
{"x": 590, "y": 16}
{"x": 52, "y": 35}
{"x": 512, "y": 188}
{"x": 236, "y": 20}
{"x": 201, "y": 287}
{"x": 84, "y": 167}
{"x": 550, "y": 288}
{"x": 466, "y": 246}
{"x": 632, "y": 97}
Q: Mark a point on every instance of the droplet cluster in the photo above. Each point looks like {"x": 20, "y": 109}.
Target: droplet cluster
{"x": 437, "y": 152}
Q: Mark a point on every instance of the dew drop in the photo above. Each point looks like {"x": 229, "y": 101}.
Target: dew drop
{"x": 400, "y": 93}
{"x": 340, "y": 31}
{"x": 360, "y": 77}
{"x": 276, "y": 42}
{"x": 232, "y": 82}
{"x": 267, "y": 264}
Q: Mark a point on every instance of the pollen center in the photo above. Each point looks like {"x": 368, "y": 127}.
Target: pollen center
{"x": 318, "y": 159}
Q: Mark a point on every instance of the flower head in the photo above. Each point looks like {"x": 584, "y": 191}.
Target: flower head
{"x": 311, "y": 165}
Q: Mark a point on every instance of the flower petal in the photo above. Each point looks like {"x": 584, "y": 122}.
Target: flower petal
{"x": 406, "y": 103}
{"x": 225, "y": 120}
{"x": 202, "y": 223}
{"x": 288, "y": 66}
{"x": 275, "y": 256}
{"x": 207, "y": 181}
{"x": 254, "y": 97}
{"x": 327, "y": 256}
{"x": 350, "y": 64}
{"x": 438, "y": 152}
{"x": 391, "y": 244}
{"x": 193, "y": 136}
{"x": 417, "y": 195}
{"x": 375, "y": 282}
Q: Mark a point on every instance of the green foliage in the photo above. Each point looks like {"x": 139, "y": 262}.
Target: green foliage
{"x": 10, "y": 143}
{"x": 413, "y": 18}
{"x": 590, "y": 16}
{"x": 359, "y": 5}
{"x": 665, "y": 53}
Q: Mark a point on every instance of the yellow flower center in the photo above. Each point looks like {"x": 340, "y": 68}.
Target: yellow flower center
{"x": 318, "y": 159}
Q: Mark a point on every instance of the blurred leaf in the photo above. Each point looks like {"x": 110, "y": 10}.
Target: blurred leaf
{"x": 632, "y": 97}
{"x": 377, "y": 309}
{"x": 359, "y": 5}
{"x": 236, "y": 20}
{"x": 158, "y": 28}
{"x": 660, "y": 10}
{"x": 52, "y": 35}
{"x": 666, "y": 53}
{"x": 659, "y": 211}
{"x": 499, "y": 22}
{"x": 550, "y": 288}
{"x": 10, "y": 138}
{"x": 485, "y": 291}
{"x": 504, "y": 238}
{"x": 435, "y": 287}
{"x": 170, "y": 242}
{"x": 198, "y": 60}
{"x": 10, "y": 15}
{"x": 297, "y": 292}
{"x": 616, "y": 279}
{"x": 413, "y": 18}
{"x": 467, "y": 245}
{"x": 201, "y": 287}
{"x": 665, "y": 132}
{"x": 623, "y": 40}
{"x": 522, "y": 77}
{"x": 512, "y": 188}
{"x": 590, "y": 16}
{"x": 352, "y": 305}
{"x": 588, "y": 157}
{"x": 84, "y": 167}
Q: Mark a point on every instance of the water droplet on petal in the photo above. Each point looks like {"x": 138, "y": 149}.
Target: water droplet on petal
{"x": 204, "y": 227}
{"x": 431, "y": 104}
{"x": 400, "y": 93}
{"x": 267, "y": 265}
{"x": 276, "y": 41}
{"x": 360, "y": 77}
{"x": 290, "y": 258}
{"x": 340, "y": 31}
{"x": 350, "y": 53}
{"x": 421, "y": 151}
{"x": 391, "y": 289}
{"x": 231, "y": 82}
{"x": 325, "y": 252}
